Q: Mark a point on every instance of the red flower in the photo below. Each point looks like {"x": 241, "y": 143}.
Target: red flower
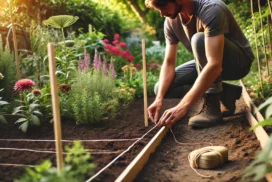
{"x": 130, "y": 59}
{"x": 139, "y": 66}
{"x": 106, "y": 41}
{"x": 115, "y": 42}
{"x": 36, "y": 92}
{"x": 24, "y": 84}
{"x": 65, "y": 88}
{"x": 123, "y": 44}
{"x": 116, "y": 36}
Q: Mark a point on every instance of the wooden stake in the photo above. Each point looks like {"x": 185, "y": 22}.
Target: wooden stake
{"x": 144, "y": 82}
{"x": 55, "y": 105}
{"x": 15, "y": 44}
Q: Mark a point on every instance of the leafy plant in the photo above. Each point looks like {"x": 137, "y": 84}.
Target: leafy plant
{"x": 262, "y": 164}
{"x": 61, "y": 22}
{"x": 2, "y": 118}
{"x": 89, "y": 95}
{"x": 8, "y": 69}
{"x": 77, "y": 166}
{"x": 28, "y": 109}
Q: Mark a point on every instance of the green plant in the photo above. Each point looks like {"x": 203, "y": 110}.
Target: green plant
{"x": 89, "y": 95}
{"x": 76, "y": 167}
{"x": 8, "y": 69}
{"x": 28, "y": 109}
{"x": 61, "y": 22}
{"x": 262, "y": 164}
{"x": 133, "y": 79}
{"x": 2, "y": 118}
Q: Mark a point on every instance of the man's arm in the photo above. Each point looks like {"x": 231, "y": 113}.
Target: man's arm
{"x": 214, "y": 47}
{"x": 167, "y": 74}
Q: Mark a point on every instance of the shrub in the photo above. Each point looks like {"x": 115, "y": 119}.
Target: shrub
{"x": 8, "y": 69}
{"x": 89, "y": 95}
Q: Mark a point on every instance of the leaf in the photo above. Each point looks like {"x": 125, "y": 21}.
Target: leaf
{"x": 21, "y": 120}
{"x": 18, "y": 109}
{"x": 24, "y": 126}
{"x": 266, "y": 122}
{"x": 33, "y": 106}
{"x": 3, "y": 102}
{"x": 35, "y": 120}
{"x": 3, "y": 120}
{"x": 268, "y": 111}
{"x": 60, "y": 21}
{"x": 267, "y": 102}
{"x": 37, "y": 113}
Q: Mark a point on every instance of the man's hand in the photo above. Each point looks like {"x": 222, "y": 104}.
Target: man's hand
{"x": 171, "y": 115}
{"x": 154, "y": 110}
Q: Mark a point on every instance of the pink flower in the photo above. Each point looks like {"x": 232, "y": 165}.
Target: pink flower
{"x": 24, "y": 84}
{"x": 36, "y": 92}
{"x": 116, "y": 36}
{"x": 123, "y": 44}
{"x": 106, "y": 41}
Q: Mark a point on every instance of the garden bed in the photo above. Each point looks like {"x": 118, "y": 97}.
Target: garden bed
{"x": 168, "y": 163}
{"x": 128, "y": 125}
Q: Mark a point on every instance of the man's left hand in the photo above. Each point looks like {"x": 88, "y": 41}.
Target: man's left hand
{"x": 171, "y": 115}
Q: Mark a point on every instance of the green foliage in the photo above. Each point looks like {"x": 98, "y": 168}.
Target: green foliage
{"x": 2, "y": 103}
{"x": 8, "y": 69}
{"x": 89, "y": 95}
{"x": 60, "y": 21}
{"x": 79, "y": 161}
{"x": 28, "y": 112}
{"x": 136, "y": 83}
{"x": 77, "y": 166}
{"x": 262, "y": 164}
{"x": 93, "y": 40}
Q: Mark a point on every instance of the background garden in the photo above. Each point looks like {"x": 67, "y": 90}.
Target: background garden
{"x": 99, "y": 61}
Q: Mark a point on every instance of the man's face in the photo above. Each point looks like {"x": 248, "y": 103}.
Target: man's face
{"x": 171, "y": 10}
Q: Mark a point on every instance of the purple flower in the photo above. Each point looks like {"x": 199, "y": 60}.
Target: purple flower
{"x": 81, "y": 64}
{"x": 111, "y": 67}
{"x": 104, "y": 66}
{"x": 97, "y": 61}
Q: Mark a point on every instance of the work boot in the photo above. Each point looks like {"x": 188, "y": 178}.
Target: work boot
{"x": 210, "y": 113}
{"x": 228, "y": 97}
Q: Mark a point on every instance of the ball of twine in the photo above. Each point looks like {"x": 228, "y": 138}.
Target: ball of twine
{"x": 208, "y": 157}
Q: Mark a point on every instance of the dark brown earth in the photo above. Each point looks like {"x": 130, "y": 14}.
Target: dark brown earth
{"x": 168, "y": 163}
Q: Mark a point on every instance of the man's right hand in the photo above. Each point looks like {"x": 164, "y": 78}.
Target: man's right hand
{"x": 154, "y": 110}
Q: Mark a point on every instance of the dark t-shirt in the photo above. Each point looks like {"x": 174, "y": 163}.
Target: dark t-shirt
{"x": 212, "y": 17}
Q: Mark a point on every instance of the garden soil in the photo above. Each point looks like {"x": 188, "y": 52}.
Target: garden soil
{"x": 169, "y": 163}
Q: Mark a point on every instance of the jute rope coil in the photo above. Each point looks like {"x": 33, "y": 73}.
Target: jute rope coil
{"x": 208, "y": 157}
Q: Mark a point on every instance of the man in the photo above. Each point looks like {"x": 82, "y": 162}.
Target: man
{"x": 221, "y": 52}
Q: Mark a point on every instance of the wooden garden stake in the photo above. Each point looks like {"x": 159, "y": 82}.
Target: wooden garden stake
{"x": 15, "y": 44}
{"x": 256, "y": 44}
{"x": 264, "y": 48}
{"x": 55, "y": 105}
{"x": 144, "y": 82}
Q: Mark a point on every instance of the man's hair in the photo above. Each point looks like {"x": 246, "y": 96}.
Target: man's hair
{"x": 157, "y": 3}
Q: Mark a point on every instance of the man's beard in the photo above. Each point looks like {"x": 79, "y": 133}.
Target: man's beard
{"x": 177, "y": 11}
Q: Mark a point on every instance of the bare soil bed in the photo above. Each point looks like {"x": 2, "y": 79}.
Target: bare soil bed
{"x": 168, "y": 163}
